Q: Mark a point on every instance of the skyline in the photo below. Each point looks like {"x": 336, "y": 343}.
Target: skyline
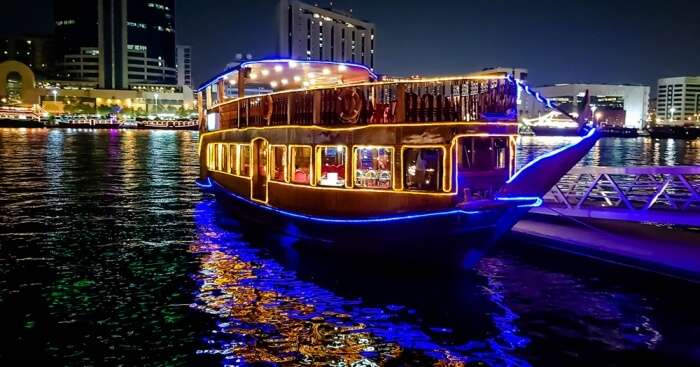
{"x": 668, "y": 31}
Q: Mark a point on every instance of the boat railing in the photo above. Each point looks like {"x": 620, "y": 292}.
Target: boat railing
{"x": 438, "y": 100}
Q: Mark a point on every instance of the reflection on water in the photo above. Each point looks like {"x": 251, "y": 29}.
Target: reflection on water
{"x": 266, "y": 314}
{"x": 110, "y": 256}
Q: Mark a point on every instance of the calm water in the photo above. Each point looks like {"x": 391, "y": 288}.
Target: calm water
{"x": 110, "y": 256}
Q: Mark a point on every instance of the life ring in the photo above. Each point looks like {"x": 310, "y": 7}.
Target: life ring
{"x": 349, "y": 105}
{"x": 266, "y": 107}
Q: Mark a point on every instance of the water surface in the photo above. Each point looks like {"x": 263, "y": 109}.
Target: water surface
{"x": 110, "y": 256}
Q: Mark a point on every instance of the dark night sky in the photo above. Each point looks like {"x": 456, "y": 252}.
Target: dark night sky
{"x": 606, "y": 41}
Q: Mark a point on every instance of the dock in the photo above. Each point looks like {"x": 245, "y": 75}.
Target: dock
{"x": 642, "y": 217}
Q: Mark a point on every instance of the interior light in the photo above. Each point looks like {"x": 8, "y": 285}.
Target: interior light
{"x": 297, "y": 78}
{"x": 342, "y": 67}
{"x": 278, "y": 68}
{"x": 265, "y": 72}
{"x": 273, "y": 84}
{"x": 326, "y": 71}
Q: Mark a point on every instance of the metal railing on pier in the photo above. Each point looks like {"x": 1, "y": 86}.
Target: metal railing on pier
{"x": 666, "y": 195}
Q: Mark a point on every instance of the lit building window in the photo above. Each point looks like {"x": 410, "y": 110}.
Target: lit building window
{"x": 373, "y": 167}
{"x": 301, "y": 165}
{"x": 331, "y": 167}
{"x": 422, "y": 169}
{"x": 278, "y": 163}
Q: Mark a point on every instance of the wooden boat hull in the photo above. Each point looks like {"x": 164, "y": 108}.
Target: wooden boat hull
{"x": 457, "y": 237}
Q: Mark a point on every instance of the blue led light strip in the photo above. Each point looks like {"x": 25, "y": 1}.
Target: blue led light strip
{"x": 536, "y": 201}
{"x": 552, "y": 153}
{"x": 210, "y": 183}
{"x": 542, "y": 99}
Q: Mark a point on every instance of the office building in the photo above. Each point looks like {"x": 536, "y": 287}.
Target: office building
{"x": 613, "y": 105}
{"x": 308, "y": 32}
{"x": 184, "y": 65}
{"x": 116, "y": 44}
{"x": 31, "y": 50}
{"x": 678, "y": 100}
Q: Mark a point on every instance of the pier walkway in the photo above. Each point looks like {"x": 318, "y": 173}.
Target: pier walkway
{"x": 644, "y": 217}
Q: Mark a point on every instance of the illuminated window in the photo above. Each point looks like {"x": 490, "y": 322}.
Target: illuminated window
{"x": 331, "y": 168}
{"x": 301, "y": 165}
{"x": 221, "y": 153}
{"x": 244, "y": 167}
{"x": 233, "y": 158}
{"x": 278, "y": 163}
{"x": 373, "y": 167}
{"x": 422, "y": 169}
{"x": 483, "y": 154}
{"x": 211, "y": 157}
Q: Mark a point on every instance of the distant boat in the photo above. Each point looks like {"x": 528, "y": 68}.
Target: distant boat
{"x": 674, "y": 132}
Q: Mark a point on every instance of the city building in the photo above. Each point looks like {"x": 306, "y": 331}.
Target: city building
{"x": 33, "y": 50}
{"x": 116, "y": 44}
{"x": 184, "y": 65}
{"x": 678, "y": 100}
{"x": 308, "y": 32}
{"x": 20, "y": 86}
{"x": 613, "y": 105}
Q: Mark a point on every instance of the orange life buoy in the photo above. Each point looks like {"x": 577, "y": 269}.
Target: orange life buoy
{"x": 266, "y": 105}
{"x": 349, "y": 105}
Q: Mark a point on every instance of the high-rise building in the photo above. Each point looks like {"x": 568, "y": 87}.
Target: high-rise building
{"x": 34, "y": 51}
{"x": 116, "y": 44}
{"x": 184, "y": 65}
{"x": 678, "y": 100}
{"x": 308, "y": 32}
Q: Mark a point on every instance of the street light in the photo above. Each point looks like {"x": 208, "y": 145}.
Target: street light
{"x": 55, "y": 94}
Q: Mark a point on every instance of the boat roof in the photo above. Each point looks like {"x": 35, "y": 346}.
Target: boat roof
{"x": 283, "y": 74}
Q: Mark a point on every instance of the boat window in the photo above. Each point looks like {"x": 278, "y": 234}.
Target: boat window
{"x": 301, "y": 165}
{"x": 422, "y": 169}
{"x": 373, "y": 167}
{"x": 483, "y": 154}
{"x": 233, "y": 158}
{"x": 211, "y": 157}
{"x": 221, "y": 157}
{"x": 278, "y": 163}
{"x": 244, "y": 167}
{"x": 332, "y": 166}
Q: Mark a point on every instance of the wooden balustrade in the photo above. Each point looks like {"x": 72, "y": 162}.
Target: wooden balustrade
{"x": 421, "y": 101}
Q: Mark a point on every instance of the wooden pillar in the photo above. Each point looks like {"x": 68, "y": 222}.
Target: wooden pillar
{"x": 400, "y": 113}
{"x": 241, "y": 81}
{"x": 317, "y": 107}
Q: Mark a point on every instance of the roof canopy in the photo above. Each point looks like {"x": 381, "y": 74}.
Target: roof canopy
{"x": 284, "y": 74}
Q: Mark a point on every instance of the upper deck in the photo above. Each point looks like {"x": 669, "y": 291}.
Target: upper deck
{"x": 302, "y": 93}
